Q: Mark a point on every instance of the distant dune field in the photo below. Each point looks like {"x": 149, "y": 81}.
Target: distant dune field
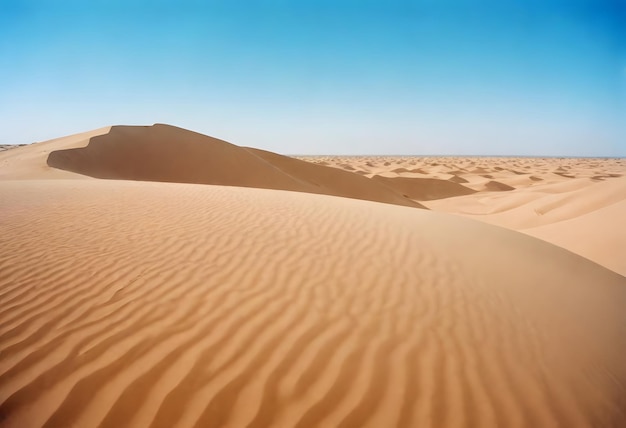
{"x": 155, "y": 277}
{"x": 577, "y": 204}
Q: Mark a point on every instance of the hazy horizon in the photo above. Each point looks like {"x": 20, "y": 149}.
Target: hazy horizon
{"x": 526, "y": 78}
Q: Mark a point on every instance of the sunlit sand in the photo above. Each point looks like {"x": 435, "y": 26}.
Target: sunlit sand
{"x": 152, "y": 276}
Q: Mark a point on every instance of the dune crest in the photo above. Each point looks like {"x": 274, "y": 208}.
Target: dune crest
{"x": 425, "y": 189}
{"x": 169, "y": 154}
{"x": 581, "y": 213}
{"x": 496, "y": 186}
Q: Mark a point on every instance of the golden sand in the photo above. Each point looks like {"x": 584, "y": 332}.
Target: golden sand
{"x": 138, "y": 303}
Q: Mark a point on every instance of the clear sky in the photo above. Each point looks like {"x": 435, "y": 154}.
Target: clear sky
{"x": 492, "y": 77}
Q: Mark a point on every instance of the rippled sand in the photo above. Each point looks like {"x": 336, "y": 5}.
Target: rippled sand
{"x": 133, "y": 303}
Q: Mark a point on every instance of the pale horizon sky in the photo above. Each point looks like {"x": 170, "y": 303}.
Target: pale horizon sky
{"x": 449, "y": 77}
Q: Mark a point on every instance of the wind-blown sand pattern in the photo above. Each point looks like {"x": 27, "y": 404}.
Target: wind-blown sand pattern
{"x": 578, "y": 204}
{"x": 128, "y": 303}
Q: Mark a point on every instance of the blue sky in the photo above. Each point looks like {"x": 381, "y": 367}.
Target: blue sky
{"x": 504, "y": 77}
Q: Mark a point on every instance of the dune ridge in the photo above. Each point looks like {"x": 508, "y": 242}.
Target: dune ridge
{"x": 169, "y": 154}
{"x": 158, "y": 304}
{"x": 496, "y": 186}
{"x": 580, "y": 215}
{"x": 575, "y": 203}
{"x": 425, "y": 189}
{"x": 29, "y": 162}
{"x": 592, "y": 235}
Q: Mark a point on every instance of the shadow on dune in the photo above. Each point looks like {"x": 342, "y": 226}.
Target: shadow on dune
{"x": 169, "y": 154}
{"x": 425, "y": 189}
{"x": 496, "y": 186}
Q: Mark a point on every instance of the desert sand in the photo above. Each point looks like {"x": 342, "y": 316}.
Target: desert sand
{"x": 155, "y": 277}
{"x": 577, "y": 204}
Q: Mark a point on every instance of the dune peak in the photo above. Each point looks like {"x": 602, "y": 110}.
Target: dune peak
{"x": 167, "y": 153}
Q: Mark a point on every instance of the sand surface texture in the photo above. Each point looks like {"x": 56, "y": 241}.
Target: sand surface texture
{"x": 578, "y": 204}
{"x": 153, "y": 304}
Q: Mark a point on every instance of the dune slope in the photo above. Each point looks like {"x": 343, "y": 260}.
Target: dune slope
{"x": 425, "y": 189}
{"x": 580, "y": 215}
{"x": 29, "y": 162}
{"x": 597, "y": 235}
{"x": 577, "y": 204}
{"x": 157, "y": 305}
{"x": 170, "y": 154}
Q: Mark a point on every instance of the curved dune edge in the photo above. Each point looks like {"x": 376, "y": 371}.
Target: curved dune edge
{"x": 592, "y": 235}
{"x": 29, "y": 162}
{"x": 169, "y": 154}
{"x": 496, "y": 186}
{"x": 425, "y": 189}
{"x": 581, "y": 214}
{"x": 155, "y": 304}
{"x": 458, "y": 179}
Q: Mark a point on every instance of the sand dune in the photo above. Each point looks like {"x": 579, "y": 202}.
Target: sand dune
{"x": 179, "y": 300}
{"x": 573, "y": 203}
{"x": 457, "y": 179}
{"x": 424, "y": 189}
{"x": 157, "y": 304}
{"x": 496, "y": 186}
{"x": 29, "y": 162}
{"x": 540, "y": 205}
{"x": 170, "y": 154}
{"x": 593, "y": 235}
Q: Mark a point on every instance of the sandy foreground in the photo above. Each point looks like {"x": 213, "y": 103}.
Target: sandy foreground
{"x": 133, "y": 299}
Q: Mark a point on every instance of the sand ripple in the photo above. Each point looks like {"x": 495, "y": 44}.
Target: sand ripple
{"x": 159, "y": 305}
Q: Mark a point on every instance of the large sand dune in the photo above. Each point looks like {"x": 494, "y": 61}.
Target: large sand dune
{"x": 599, "y": 235}
{"x": 578, "y": 204}
{"x": 148, "y": 300}
{"x": 29, "y": 162}
{"x": 425, "y": 189}
{"x": 170, "y": 154}
{"x": 156, "y": 304}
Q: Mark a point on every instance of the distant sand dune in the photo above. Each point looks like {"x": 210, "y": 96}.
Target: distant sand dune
{"x": 29, "y": 162}
{"x": 425, "y": 189}
{"x": 539, "y": 205}
{"x": 457, "y": 179}
{"x": 593, "y": 235}
{"x": 170, "y": 154}
{"x": 496, "y": 186}
{"x": 156, "y": 305}
{"x": 581, "y": 212}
